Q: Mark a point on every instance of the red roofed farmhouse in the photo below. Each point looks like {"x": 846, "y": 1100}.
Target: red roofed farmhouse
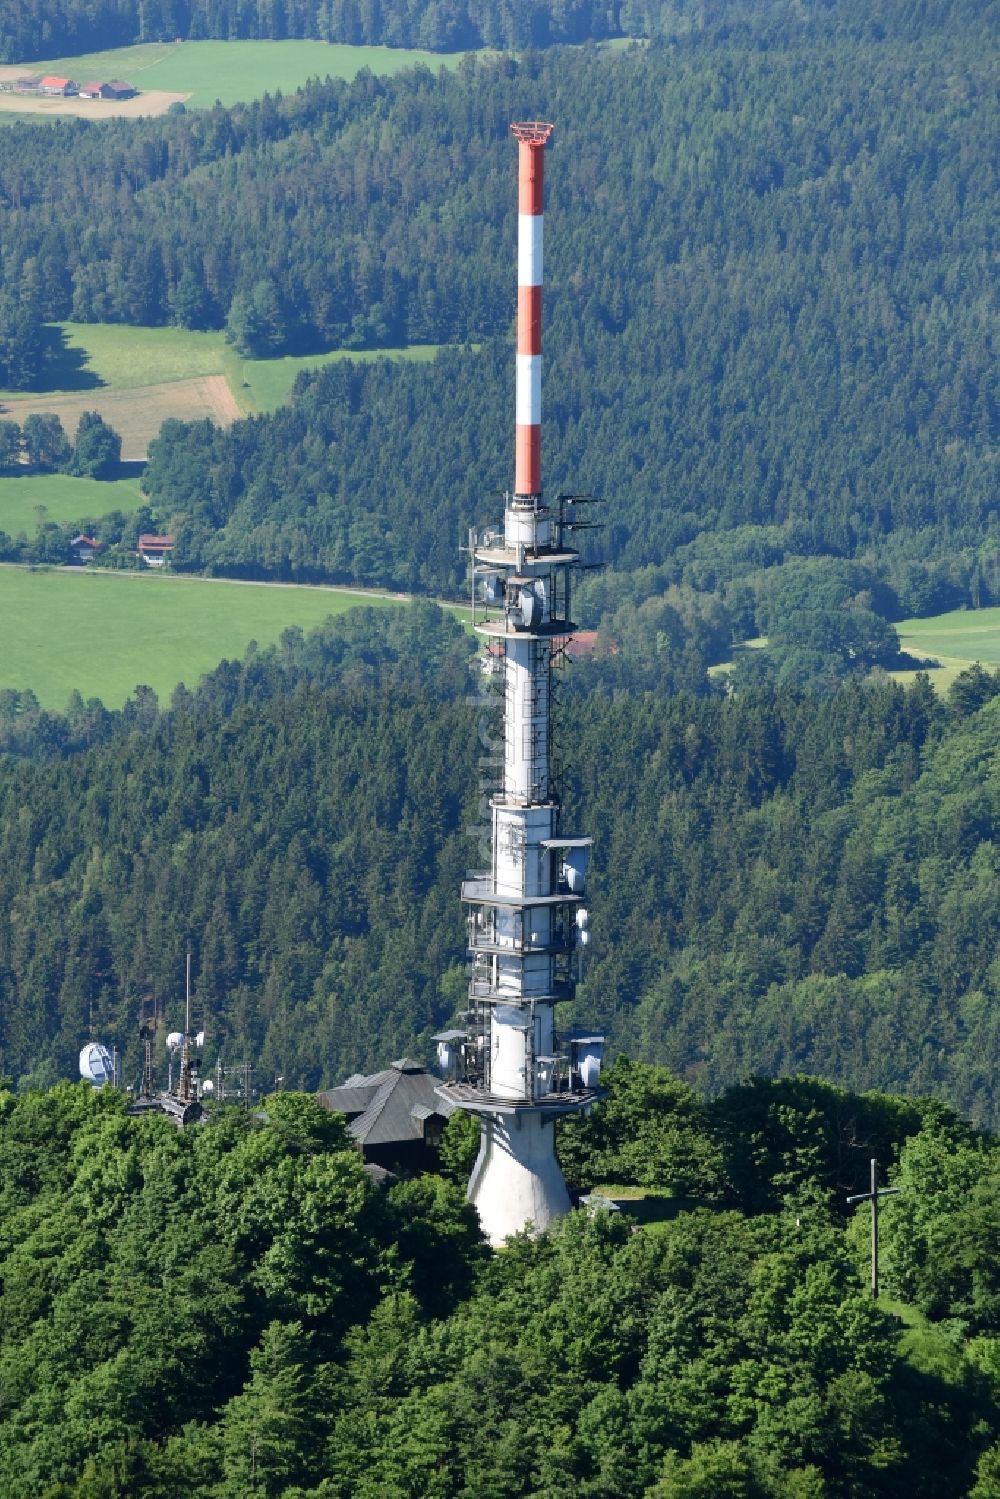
{"x": 57, "y": 88}
{"x": 155, "y": 550}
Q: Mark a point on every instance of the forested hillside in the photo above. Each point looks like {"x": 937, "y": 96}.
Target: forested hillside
{"x": 446, "y": 25}
{"x": 782, "y": 882}
{"x": 768, "y": 305}
{"x": 238, "y": 1310}
{"x": 65, "y": 26}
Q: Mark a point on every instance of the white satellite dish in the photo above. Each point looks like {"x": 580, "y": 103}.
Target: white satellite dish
{"x": 96, "y": 1065}
{"x": 492, "y": 588}
{"x": 590, "y": 1065}
{"x": 175, "y": 1040}
{"x": 575, "y": 869}
{"x": 207, "y": 1087}
{"x": 199, "y": 1040}
{"x": 531, "y": 601}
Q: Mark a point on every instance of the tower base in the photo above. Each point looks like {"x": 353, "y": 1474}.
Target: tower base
{"x": 516, "y": 1182}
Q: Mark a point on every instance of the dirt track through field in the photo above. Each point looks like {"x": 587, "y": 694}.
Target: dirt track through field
{"x": 137, "y": 414}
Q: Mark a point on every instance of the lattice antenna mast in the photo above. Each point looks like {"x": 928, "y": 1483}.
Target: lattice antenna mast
{"x": 526, "y": 912}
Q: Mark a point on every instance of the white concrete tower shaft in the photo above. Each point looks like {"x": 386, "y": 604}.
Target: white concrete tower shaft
{"x": 524, "y": 923}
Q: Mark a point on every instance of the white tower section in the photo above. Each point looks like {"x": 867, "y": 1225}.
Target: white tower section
{"x": 526, "y": 911}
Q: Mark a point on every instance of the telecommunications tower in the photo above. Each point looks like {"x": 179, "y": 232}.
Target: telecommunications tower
{"x": 527, "y": 922}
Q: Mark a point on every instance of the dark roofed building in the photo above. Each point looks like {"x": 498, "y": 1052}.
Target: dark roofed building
{"x": 114, "y": 90}
{"x": 84, "y": 548}
{"x": 394, "y": 1116}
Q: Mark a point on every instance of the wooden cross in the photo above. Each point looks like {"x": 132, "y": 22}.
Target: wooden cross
{"x": 873, "y": 1196}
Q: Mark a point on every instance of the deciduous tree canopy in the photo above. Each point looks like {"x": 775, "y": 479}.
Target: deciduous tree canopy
{"x": 237, "y": 1310}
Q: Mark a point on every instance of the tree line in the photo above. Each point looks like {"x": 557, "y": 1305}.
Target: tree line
{"x": 71, "y": 26}
{"x": 238, "y": 1309}
{"x": 40, "y": 442}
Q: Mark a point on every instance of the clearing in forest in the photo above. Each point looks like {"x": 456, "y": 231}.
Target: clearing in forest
{"x": 89, "y": 361}
{"x": 200, "y": 73}
{"x": 953, "y": 642}
{"x": 103, "y": 633}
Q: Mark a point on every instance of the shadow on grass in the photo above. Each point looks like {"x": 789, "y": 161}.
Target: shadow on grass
{"x": 65, "y": 366}
{"x": 910, "y": 661}
{"x": 652, "y": 1206}
{"x": 131, "y": 469}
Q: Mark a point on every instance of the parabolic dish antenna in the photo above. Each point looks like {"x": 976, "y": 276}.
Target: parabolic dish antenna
{"x": 96, "y": 1065}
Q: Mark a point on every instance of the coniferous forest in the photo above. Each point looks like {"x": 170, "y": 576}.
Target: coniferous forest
{"x": 769, "y": 311}
{"x": 770, "y": 319}
{"x": 784, "y": 881}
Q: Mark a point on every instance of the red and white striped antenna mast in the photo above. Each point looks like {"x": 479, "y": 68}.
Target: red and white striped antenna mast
{"x": 527, "y": 921}
{"x": 531, "y": 138}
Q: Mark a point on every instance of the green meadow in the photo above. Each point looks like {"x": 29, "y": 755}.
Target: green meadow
{"x": 236, "y": 72}
{"x": 953, "y": 642}
{"x": 32, "y": 500}
{"x": 943, "y": 645}
{"x": 118, "y": 356}
{"x": 115, "y": 356}
{"x": 103, "y": 633}
{"x": 266, "y": 384}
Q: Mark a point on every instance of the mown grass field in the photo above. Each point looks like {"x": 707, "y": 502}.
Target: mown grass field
{"x": 138, "y": 414}
{"x": 90, "y": 358}
{"x": 955, "y": 641}
{"x": 29, "y": 501}
{"x": 102, "y": 633}
{"x": 236, "y": 72}
{"x": 138, "y": 377}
